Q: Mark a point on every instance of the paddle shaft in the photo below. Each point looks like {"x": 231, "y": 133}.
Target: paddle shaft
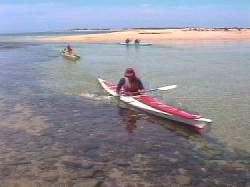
{"x": 165, "y": 88}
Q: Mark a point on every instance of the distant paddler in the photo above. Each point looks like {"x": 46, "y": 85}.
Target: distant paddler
{"x": 68, "y": 50}
{"x": 69, "y": 54}
{"x": 137, "y": 41}
{"x": 127, "y": 41}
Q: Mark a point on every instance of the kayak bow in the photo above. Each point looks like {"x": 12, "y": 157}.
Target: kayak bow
{"x": 155, "y": 107}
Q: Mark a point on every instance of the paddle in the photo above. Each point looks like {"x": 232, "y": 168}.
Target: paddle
{"x": 164, "y": 88}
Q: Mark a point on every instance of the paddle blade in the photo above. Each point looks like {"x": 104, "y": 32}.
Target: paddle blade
{"x": 167, "y": 87}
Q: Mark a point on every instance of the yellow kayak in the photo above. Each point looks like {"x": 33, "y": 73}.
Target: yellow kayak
{"x": 69, "y": 56}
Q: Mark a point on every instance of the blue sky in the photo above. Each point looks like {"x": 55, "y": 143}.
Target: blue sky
{"x": 54, "y": 15}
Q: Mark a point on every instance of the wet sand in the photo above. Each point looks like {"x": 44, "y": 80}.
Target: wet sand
{"x": 157, "y": 36}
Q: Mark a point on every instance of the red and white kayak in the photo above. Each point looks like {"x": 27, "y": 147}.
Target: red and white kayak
{"x": 153, "y": 106}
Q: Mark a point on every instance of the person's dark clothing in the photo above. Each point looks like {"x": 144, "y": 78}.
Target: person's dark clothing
{"x": 131, "y": 86}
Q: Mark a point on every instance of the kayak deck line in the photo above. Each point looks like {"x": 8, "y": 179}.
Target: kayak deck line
{"x": 153, "y": 106}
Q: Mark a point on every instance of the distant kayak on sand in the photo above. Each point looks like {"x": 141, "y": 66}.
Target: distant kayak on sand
{"x": 135, "y": 44}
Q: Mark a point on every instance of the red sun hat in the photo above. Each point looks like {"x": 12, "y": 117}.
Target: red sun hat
{"x": 130, "y": 72}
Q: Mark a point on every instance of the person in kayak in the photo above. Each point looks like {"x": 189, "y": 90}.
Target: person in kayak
{"x": 127, "y": 41}
{"x": 131, "y": 84}
{"x": 137, "y": 41}
{"x": 68, "y": 49}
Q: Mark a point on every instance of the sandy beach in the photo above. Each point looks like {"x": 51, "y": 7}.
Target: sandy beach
{"x": 157, "y": 36}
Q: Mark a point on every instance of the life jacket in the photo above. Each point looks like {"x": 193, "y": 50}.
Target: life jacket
{"x": 131, "y": 87}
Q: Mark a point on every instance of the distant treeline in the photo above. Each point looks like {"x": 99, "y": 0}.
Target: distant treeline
{"x": 158, "y": 28}
{"x": 190, "y": 27}
{"x": 87, "y": 29}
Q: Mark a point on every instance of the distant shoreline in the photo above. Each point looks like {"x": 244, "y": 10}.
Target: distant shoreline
{"x": 156, "y": 35}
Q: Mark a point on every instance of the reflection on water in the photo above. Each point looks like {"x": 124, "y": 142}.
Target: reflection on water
{"x": 129, "y": 118}
{"x": 58, "y": 129}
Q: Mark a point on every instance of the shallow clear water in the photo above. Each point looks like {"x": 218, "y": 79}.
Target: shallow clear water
{"x": 58, "y": 126}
